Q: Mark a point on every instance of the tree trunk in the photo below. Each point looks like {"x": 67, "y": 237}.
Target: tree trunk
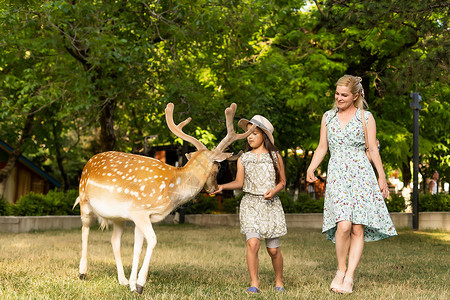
{"x": 14, "y": 156}
{"x": 59, "y": 158}
{"x": 107, "y": 134}
{"x": 406, "y": 173}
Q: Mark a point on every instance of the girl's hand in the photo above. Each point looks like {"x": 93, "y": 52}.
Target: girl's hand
{"x": 269, "y": 195}
{"x": 310, "y": 177}
{"x": 383, "y": 187}
{"x": 219, "y": 189}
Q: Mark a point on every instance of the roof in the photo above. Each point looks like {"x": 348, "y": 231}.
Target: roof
{"x": 30, "y": 165}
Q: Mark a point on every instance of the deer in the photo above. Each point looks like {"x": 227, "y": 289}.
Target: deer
{"x": 116, "y": 187}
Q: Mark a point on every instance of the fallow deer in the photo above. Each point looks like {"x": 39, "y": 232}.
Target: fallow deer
{"x": 117, "y": 186}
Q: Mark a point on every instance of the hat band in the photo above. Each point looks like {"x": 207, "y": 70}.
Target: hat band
{"x": 259, "y": 124}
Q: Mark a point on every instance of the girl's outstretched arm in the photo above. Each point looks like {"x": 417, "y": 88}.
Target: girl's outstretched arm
{"x": 320, "y": 152}
{"x": 238, "y": 181}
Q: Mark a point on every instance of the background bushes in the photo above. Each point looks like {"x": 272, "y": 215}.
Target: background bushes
{"x": 60, "y": 203}
{"x": 55, "y": 203}
{"x": 439, "y": 202}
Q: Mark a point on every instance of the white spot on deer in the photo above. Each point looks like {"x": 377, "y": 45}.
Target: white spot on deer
{"x": 114, "y": 180}
{"x": 119, "y": 189}
{"x": 178, "y": 180}
{"x": 127, "y": 191}
{"x": 156, "y": 176}
{"x": 171, "y": 185}
{"x": 159, "y": 198}
{"x": 162, "y": 186}
{"x": 142, "y": 188}
{"x": 109, "y": 174}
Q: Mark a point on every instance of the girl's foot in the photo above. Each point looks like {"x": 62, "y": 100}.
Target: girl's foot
{"x": 280, "y": 289}
{"x": 252, "y": 290}
{"x": 347, "y": 285}
{"x": 337, "y": 282}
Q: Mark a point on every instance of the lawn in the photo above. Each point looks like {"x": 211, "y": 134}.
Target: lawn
{"x": 194, "y": 262}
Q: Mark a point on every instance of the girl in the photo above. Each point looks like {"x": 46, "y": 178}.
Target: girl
{"x": 260, "y": 174}
{"x": 354, "y": 208}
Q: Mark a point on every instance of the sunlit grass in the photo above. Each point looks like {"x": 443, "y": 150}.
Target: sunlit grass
{"x": 193, "y": 262}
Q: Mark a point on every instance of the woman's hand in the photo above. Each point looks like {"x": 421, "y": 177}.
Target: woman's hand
{"x": 219, "y": 189}
{"x": 383, "y": 187}
{"x": 310, "y": 177}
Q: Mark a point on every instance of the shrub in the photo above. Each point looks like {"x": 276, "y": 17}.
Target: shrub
{"x": 229, "y": 204}
{"x": 54, "y": 203}
{"x": 202, "y": 204}
{"x": 5, "y": 207}
{"x": 429, "y": 202}
{"x": 396, "y": 203}
{"x": 304, "y": 203}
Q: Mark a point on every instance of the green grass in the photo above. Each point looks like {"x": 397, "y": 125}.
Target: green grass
{"x": 193, "y": 262}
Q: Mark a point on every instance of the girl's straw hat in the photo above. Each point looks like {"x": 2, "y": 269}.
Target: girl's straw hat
{"x": 261, "y": 122}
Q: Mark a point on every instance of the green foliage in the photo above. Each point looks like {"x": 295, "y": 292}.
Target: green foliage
{"x": 202, "y": 204}
{"x": 304, "y": 203}
{"x": 5, "y": 207}
{"x": 439, "y": 202}
{"x": 64, "y": 61}
{"x": 54, "y": 203}
{"x": 229, "y": 204}
{"x": 396, "y": 203}
{"x": 205, "y": 204}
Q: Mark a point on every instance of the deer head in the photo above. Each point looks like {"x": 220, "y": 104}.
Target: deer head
{"x": 120, "y": 186}
{"x": 217, "y": 155}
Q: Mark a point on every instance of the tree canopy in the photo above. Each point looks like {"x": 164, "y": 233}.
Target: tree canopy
{"x": 80, "y": 77}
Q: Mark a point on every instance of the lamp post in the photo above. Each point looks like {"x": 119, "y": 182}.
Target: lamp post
{"x": 416, "y": 108}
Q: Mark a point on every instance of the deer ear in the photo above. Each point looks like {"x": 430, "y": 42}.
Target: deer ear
{"x": 222, "y": 156}
{"x": 189, "y": 155}
{"x": 235, "y": 157}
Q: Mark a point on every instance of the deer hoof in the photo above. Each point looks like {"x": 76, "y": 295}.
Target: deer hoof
{"x": 139, "y": 289}
{"x": 82, "y": 276}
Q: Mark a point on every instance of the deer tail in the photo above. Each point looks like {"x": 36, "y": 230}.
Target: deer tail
{"x": 76, "y": 203}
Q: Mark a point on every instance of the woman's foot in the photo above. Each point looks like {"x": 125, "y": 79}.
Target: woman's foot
{"x": 337, "y": 282}
{"x": 347, "y": 285}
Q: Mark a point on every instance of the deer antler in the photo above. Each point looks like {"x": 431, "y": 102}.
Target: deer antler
{"x": 177, "y": 129}
{"x": 231, "y": 134}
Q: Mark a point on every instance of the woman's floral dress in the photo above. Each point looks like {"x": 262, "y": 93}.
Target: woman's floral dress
{"x": 256, "y": 214}
{"x": 352, "y": 191}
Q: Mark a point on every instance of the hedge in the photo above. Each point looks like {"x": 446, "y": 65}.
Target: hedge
{"x": 60, "y": 203}
{"x": 55, "y": 203}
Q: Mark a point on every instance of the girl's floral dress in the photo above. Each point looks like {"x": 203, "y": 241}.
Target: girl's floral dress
{"x": 256, "y": 214}
{"x": 352, "y": 191}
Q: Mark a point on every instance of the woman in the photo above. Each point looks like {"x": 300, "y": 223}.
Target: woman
{"x": 354, "y": 209}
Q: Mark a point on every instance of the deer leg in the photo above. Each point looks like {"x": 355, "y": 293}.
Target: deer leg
{"x": 115, "y": 242}
{"x": 86, "y": 220}
{"x": 84, "y": 243}
{"x": 144, "y": 224}
{"x": 138, "y": 242}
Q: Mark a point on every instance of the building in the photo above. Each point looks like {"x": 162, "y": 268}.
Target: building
{"x": 24, "y": 178}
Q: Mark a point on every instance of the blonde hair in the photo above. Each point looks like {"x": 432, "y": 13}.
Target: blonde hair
{"x": 355, "y": 85}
